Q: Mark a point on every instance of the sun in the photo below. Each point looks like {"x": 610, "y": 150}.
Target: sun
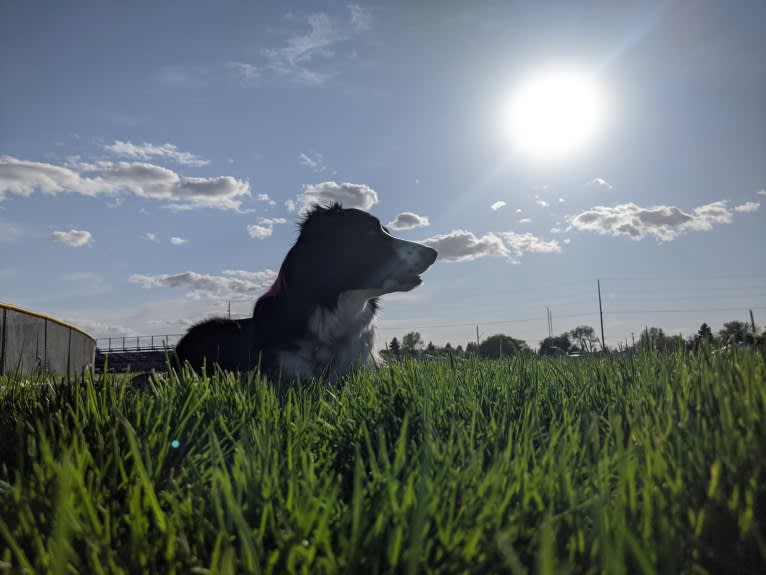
{"x": 555, "y": 114}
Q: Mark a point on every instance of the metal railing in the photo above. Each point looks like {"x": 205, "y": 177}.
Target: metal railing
{"x": 137, "y": 343}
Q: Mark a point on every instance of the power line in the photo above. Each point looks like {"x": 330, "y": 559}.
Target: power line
{"x": 494, "y": 322}
{"x": 565, "y": 316}
{"x": 685, "y": 277}
{"x": 700, "y": 310}
{"x": 584, "y": 283}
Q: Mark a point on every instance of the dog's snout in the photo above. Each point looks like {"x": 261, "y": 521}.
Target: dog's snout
{"x": 416, "y": 257}
{"x": 432, "y": 255}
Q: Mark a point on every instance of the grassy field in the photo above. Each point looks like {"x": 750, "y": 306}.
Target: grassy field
{"x": 601, "y": 465}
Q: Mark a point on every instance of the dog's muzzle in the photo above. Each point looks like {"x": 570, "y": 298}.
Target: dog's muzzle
{"x": 412, "y": 259}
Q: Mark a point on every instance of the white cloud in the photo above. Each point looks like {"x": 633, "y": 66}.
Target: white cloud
{"x": 306, "y": 56}
{"x": 556, "y": 230}
{"x": 747, "y": 207}
{"x": 231, "y": 284}
{"x": 264, "y": 228}
{"x": 177, "y": 241}
{"x": 265, "y": 198}
{"x": 290, "y": 205}
{"x": 518, "y": 210}
{"x": 567, "y": 241}
{"x": 361, "y": 19}
{"x": 525, "y": 221}
{"x": 542, "y": 203}
{"x": 73, "y": 238}
{"x": 664, "y": 222}
{"x": 244, "y": 70}
{"x": 761, "y": 192}
{"x": 23, "y": 178}
{"x": 316, "y": 163}
{"x": 264, "y": 277}
{"x": 600, "y": 183}
{"x": 150, "y": 236}
{"x": 350, "y": 195}
{"x": 147, "y": 151}
{"x": 461, "y": 245}
{"x": 297, "y": 59}
{"x": 102, "y": 329}
{"x": 259, "y": 232}
{"x": 562, "y": 200}
{"x": 529, "y": 243}
{"x": 497, "y": 205}
{"x": 407, "y": 221}
{"x": 272, "y": 221}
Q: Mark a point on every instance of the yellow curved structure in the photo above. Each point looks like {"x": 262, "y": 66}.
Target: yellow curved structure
{"x": 33, "y": 342}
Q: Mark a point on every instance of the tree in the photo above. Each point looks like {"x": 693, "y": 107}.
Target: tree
{"x": 470, "y": 348}
{"x": 430, "y": 348}
{"x": 556, "y": 345}
{"x": 412, "y": 342}
{"x": 653, "y": 338}
{"x": 704, "y": 335}
{"x": 735, "y": 332}
{"x": 585, "y": 337}
{"x": 394, "y": 346}
{"x": 501, "y": 346}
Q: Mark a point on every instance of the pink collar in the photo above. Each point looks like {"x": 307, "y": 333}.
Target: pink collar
{"x": 278, "y": 285}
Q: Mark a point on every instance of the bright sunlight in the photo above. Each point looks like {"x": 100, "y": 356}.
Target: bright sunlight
{"x": 555, "y": 113}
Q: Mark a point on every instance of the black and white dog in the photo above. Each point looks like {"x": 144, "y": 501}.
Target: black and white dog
{"x": 317, "y": 318}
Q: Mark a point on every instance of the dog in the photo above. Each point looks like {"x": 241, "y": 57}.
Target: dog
{"x": 317, "y": 319}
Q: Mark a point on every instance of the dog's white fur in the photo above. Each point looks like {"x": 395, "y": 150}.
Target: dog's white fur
{"x": 343, "y": 338}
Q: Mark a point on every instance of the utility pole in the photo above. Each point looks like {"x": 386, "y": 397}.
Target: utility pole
{"x": 752, "y": 323}
{"x": 477, "y": 339}
{"x": 229, "y": 309}
{"x": 549, "y": 318}
{"x": 633, "y": 337}
{"x": 601, "y": 315}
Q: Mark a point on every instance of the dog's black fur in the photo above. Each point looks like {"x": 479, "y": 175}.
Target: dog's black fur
{"x": 317, "y": 316}
{"x": 221, "y": 341}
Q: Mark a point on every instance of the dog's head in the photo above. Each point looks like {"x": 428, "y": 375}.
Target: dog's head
{"x": 340, "y": 250}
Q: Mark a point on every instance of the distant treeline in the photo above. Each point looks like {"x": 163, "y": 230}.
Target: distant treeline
{"x": 580, "y": 340}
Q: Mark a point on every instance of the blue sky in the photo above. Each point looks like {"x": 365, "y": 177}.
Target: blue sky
{"x": 154, "y": 157}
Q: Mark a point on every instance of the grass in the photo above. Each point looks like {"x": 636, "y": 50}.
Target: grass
{"x": 644, "y": 464}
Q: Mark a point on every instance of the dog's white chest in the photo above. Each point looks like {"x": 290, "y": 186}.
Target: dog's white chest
{"x": 338, "y": 340}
